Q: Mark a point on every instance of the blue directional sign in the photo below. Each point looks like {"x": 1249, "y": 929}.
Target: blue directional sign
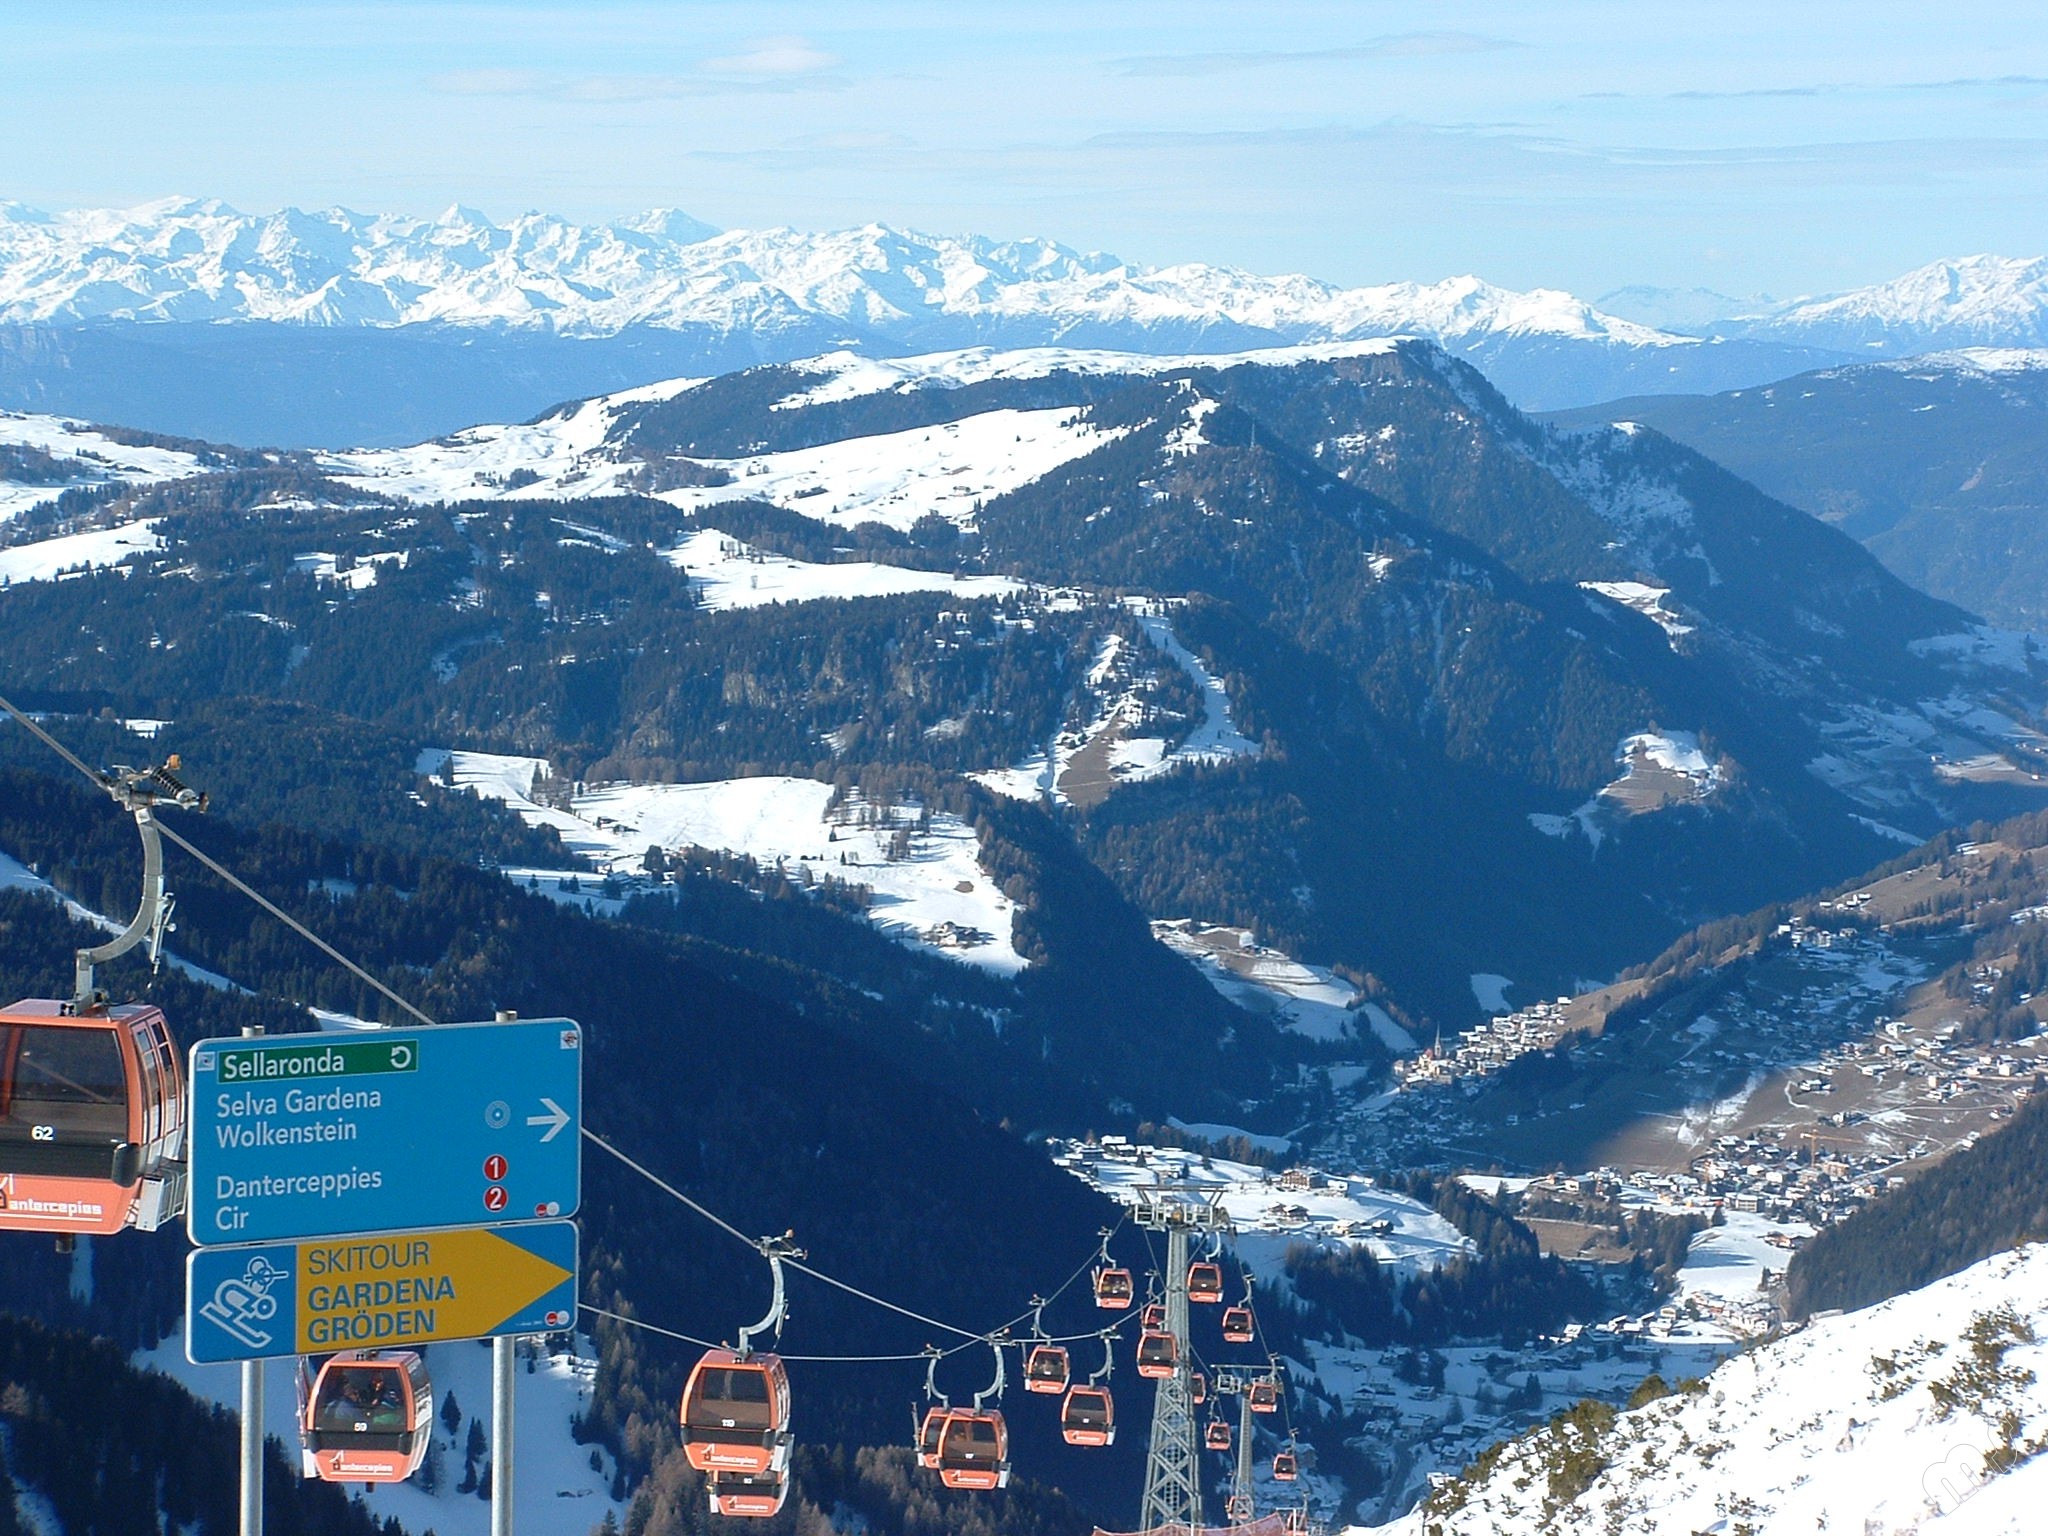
{"x": 395, "y": 1291}
{"x": 388, "y": 1130}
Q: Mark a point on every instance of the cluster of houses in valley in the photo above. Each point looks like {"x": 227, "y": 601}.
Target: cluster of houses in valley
{"x": 1485, "y": 1050}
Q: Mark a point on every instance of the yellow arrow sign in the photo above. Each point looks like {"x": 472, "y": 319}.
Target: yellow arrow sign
{"x": 385, "y": 1292}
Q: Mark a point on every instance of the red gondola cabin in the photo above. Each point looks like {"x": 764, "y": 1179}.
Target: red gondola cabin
{"x": 735, "y": 1414}
{"x": 1157, "y": 1354}
{"x": 1046, "y": 1369}
{"x": 974, "y": 1449}
{"x": 366, "y": 1416}
{"x": 928, "y": 1437}
{"x": 1088, "y": 1417}
{"x": 1205, "y": 1282}
{"x": 1237, "y": 1325}
{"x": 1113, "y": 1289}
{"x": 92, "y": 1119}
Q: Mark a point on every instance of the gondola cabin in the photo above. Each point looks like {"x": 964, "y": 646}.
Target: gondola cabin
{"x": 1157, "y": 1354}
{"x": 1286, "y": 1466}
{"x": 1154, "y": 1315}
{"x": 928, "y": 1438}
{"x": 1205, "y": 1282}
{"x": 1198, "y": 1387}
{"x": 735, "y": 1413}
{"x": 1265, "y": 1396}
{"x": 366, "y": 1416}
{"x": 92, "y": 1119}
{"x": 1113, "y": 1288}
{"x": 1237, "y": 1325}
{"x": 750, "y": 1495}
{"x": 1088, "y": 1417}
{"x": 1046, "y": 1369}
{"x": 1217, "y": 1436}
{"x": 974, "y": 1449}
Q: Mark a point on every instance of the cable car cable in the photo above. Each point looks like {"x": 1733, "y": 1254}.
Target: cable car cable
{"x": 994, "y": 1337}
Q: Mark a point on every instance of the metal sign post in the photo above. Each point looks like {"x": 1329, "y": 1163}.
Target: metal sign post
{"x": 502, "y": 1351}
{"x": 252, "y": 1416}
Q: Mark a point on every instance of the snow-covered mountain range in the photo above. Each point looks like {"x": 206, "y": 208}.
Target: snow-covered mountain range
{"x": 185, "y": 260}
{"x": 1967, "y": 301}
{"x": 118, "y": 315}
{"x": 1925, "y": 1413}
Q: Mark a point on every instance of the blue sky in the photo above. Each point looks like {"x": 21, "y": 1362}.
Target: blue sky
{"x": 1796, "y": 146}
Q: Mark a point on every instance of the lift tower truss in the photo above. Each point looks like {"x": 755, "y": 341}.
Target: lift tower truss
{"x": 1173, "y": 1481}
{"x": 1237, "y": 1381}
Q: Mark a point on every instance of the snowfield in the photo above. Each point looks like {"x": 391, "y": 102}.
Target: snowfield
{"x": 891, "y": 477}
{"x": 1891, "y": 1420}
{"x": 896, "y": 478}
{"x": 728, "y": 573}
{"x": 937, "y": 897}
{"x": 49, "y": 559}
{"x": 1307, "y": 999}
{"x": 88, "y": 457}
{"x": 1644, "y": 599}
{"x": 1399, "y": 1232}
{"x": 849, "y": 375}
{"x": 565, "y": 452}
{"x": 1726, "y": 1267}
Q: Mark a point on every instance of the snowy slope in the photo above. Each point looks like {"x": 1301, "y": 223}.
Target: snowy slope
{"x": 566, "y": 452}
{"x": 1401, "y": 1233}
{"x": 891, "y": 477}
{"x": 1875, "y": 1422}
{"x": 82, "y": 455}
{"x": 936, "y": 897}
{"x": 1307, "y": 999}
{"x": 47, "y": 559}
{"x": 729, "y": 573}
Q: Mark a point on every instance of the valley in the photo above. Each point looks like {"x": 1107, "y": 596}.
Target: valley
{"x": 1106, "y": 741}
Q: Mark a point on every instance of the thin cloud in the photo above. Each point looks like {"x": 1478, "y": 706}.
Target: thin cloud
{"x": 621, "y": 88}
{"x": 1838, "y": 88}
{"x": 777, "y": 56}
{"x": 1396, "y": 45}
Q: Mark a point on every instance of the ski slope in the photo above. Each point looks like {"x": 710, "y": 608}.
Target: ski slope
{"x": 937, "y": 897}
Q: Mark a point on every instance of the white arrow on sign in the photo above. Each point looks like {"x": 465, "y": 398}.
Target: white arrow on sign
{"x": 556, "y": 1119}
